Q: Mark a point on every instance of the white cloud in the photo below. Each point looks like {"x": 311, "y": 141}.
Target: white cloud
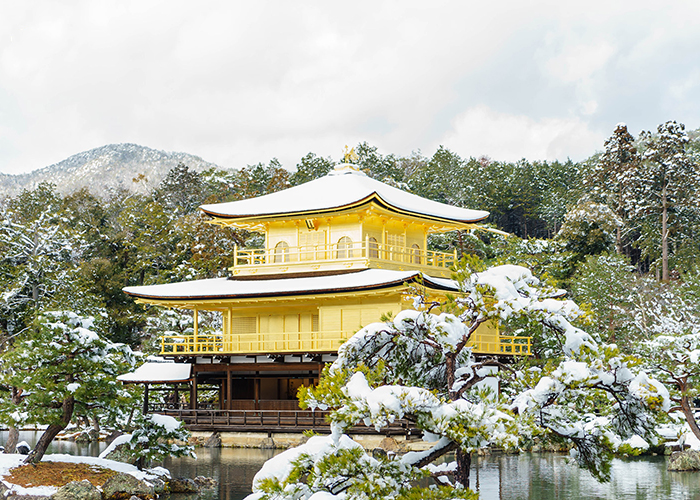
{"x": 480, "y": 131}
{"x": 238, "y": 83}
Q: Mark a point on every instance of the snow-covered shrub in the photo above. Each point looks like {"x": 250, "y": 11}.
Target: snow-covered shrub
{"x": 156, "y": 437}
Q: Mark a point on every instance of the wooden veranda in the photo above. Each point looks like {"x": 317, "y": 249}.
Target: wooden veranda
{"x": 272, "y": 421}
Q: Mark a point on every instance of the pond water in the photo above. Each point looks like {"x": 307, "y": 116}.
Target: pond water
{"x": 541, "y": 476}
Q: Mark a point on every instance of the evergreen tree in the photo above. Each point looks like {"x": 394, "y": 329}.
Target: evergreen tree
{"x": 181, "y": 190}
{"x": 441, "y": 178}
{"x": 383, "y": 168}
{"x": 665, "y": 188}
{"x": 610, "y": 179}
{"x": 669, "y": 314}
{"x": 607, "y": 284}
{"x": 419, "y": 367}
{"x": 589, "y": 229}
{"x": 311, "y": 167}
{"x": 62, "y": 366}
{"x": 156, "y": 437}
{"x": 257, "y": 180}
{"x": 39, "y": 258}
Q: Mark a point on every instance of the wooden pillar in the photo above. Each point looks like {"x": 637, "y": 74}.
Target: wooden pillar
{"x": 193, "y": 393}
{"x": 221, "y": 393}
{"x": 145, "y": 399}
{"x": 256, "y": 395}
{"x": 177, "y": 396}
{"x": 229, "y": 389}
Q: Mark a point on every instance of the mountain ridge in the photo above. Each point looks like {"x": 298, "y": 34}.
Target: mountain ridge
{"x": 104, "y": 170}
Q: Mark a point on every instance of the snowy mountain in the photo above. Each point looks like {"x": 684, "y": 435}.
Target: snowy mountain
{"x": 104, "y": 169}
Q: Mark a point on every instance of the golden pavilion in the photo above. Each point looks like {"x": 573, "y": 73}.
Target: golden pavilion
{"x": 340, "y": 252}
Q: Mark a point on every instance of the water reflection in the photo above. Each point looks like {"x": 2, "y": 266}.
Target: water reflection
{"x": 541, "y": 476}
{"x": 233, "y": 468}
{"x": 546, "y": 476}
{"x": 56, "y": 446}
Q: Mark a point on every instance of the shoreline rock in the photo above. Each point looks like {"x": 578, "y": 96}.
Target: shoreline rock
{"x": 687, "y": 460}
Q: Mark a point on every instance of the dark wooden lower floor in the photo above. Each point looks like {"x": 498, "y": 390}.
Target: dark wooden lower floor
{"x": 216, "y": 420}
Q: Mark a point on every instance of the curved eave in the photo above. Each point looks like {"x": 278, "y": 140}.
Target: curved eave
{"x": 155, "y": 382}
{"x": 416, "y": 278}
{"x": 253, "y": 220}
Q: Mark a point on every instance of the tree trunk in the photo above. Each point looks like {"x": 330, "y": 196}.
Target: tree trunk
{"x": 12, "y": 439}
{"x": 464, "y": 462}
{"x": 450, "y": 370}
{"x": 51, "y": 432}
{"x": 13, "y": 432}
{"x": 686, "y": 409}
{"x": 95, "y": 424}
{"x": 664, "y": 236}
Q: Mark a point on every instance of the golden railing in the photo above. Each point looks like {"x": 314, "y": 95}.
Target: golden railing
{"x": 489, "y": 343}
{"x": 254, "y": 343}
{"x": 326, "y": 341}
{"x": 362, "y": 249}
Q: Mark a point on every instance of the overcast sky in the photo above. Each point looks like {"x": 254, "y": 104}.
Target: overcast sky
{"x": 242, "y": 82}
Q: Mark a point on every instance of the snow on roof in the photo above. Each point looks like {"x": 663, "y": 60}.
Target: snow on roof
{"x": 158, "y": 373}
{"x": 228, "y": 288}
{"x": 342, "y": 187}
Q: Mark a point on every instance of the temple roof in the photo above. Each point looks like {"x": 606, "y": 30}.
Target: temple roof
{"x": 158, "y": 372}
{"x": 224, "y": 288}
{"x": 343, "y": 188}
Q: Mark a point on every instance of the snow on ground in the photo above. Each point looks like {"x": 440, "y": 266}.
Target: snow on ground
{"x": 10, "y": 461}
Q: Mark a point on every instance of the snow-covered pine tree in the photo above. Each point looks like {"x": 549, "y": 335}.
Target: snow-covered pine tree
{"x": 62, "y": 365}
{"x": 610, "y": 178}
{"x": 181, "y": 190}
{"x": 665, "y": 187}
{"x": 38, "y": 254}
{"x": 609, "y": 286}
{"x": 419, "y": 367}
{"x": 311, "y": 167}
{"x": 590, "y": 228}
{"x": 669, "y": 314}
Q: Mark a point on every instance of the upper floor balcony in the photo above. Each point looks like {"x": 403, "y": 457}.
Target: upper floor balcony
{"x": 482, "y": 343}
{"x": 341, "y": 256}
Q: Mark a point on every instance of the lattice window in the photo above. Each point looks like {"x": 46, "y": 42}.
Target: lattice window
{"x": 395, "y": 240}
{"x": 313, "y": 245}
{"x": 246, "y": 324}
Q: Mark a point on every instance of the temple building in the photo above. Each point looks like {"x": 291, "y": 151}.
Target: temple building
{"x": 340, "y": 252}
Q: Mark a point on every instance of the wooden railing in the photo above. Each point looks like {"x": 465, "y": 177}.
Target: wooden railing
{"x": 326, "y": 341}
{"x": 271, "y": 420}
{"x": 360, "y": 249}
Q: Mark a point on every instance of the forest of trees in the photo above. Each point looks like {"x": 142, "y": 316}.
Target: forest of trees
{"x": 635, "y": 201}
{"x": 618, "y": 231}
